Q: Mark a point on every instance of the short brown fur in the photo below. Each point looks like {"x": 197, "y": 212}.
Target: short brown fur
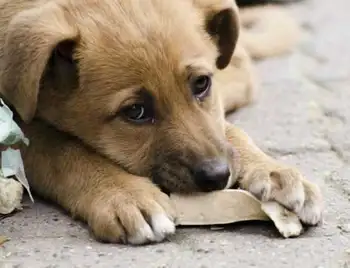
{"x": 69, "y": 68}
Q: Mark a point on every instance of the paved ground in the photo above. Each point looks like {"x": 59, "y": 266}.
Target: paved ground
{"x": 307, "y": 125}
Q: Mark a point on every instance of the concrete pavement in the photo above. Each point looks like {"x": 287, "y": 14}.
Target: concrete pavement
{"x": 307, "y": 126}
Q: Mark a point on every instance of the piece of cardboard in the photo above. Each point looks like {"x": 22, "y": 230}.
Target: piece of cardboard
{"x": 11, "y": 192}
{"x": 287, "y": 223}
{"x": 3, "y": 239}
{"x": 231, "y": 206}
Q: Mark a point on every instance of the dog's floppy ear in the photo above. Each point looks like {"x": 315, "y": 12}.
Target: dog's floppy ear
{"x": 32, "y": 37}
{"x": 221, "y": 19}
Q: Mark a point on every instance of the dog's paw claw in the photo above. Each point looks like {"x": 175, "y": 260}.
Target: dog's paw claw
{"x": 141, "y": 236}
{"x": 288, "y": 187}
{"x": 160, "y": 228}
{"x": 312, "y": 211}
{"x": 136, "y": 218}
{"x": 311, "y": 214}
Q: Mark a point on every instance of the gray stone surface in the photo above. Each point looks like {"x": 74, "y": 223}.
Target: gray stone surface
{"x": 301, "y": 117}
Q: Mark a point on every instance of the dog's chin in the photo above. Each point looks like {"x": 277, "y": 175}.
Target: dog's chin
{"x": 170, "y": 184}
{"x": 174, "y": 180}
{"x": 179, "y": 178}
{"x": 183, "y": 185}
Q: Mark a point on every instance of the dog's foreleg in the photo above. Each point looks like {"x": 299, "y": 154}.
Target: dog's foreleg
{"x": 118, "y": 206}
{"x": 269, "y": 179}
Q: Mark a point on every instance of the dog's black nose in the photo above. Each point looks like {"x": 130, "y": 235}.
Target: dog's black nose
{"x": 212, "y": 174}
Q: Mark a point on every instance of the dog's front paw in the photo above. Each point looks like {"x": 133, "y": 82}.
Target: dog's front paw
{"x": 286, "y": 185}
{"x": 133, "y": 215}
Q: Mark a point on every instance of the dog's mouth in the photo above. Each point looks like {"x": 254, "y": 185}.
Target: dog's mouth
{"x": 173, "y": 176}
{"x": 209, "y": 175}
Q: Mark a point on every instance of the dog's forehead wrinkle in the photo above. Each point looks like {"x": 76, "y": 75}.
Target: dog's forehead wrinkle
{"x": 136, "y": 18}
{"x": 130, "y": 24}
{"x": 135, "y": 59}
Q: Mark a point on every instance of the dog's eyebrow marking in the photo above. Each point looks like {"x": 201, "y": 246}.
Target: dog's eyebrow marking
{"x": 198, "y": 65}
{"x": 145, "y": 94}
{"x": 195, "y": 69}
{"x": 120, "y": 96}
{"x": 138, "y": 94}
{"x": 128, "y": 96}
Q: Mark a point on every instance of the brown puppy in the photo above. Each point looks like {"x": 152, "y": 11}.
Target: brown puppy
{"x": 122, "y": 98}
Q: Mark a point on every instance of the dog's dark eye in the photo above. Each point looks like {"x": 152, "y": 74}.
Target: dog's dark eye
{"x": 138, "y": 113}
{"x": 201, "y": 86}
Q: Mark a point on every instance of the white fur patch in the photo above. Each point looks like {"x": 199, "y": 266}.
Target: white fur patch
{"x": 162, "y": 226}
{"x": 142, "y": 236}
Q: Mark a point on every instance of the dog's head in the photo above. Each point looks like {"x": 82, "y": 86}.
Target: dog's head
{"x": 135, "y": 80}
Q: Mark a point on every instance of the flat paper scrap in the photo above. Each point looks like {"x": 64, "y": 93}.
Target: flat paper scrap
{"x": 230, "y": 206}
{"x": 3, "y": 239}
{"x": 10, "y": 133}
{"x": 12, "y": 165}
{"x": 11, "y": 160}
{"x": 11, "y": 192}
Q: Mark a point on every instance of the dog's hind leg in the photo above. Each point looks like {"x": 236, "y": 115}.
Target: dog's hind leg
{"x": 245, "y": 3}
{"x": 236, "y": 84}
{"x": 268, "y": 31}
